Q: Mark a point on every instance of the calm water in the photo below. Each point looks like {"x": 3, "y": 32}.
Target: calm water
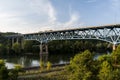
{"x": 30, "y": 61}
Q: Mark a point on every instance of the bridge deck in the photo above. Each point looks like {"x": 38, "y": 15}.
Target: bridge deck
{"x": 81, "y": 28}
{"x": 108, "y": 33}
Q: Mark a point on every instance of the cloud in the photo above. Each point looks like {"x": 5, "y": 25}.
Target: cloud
{"x": 43, "y": 8}
{"x": 26, "y": 16}
{"x": 74, "y": 19}
{"x": 52, "y": 23}
{"x": 73, "y": 22}
{"x": 52, "y": 13}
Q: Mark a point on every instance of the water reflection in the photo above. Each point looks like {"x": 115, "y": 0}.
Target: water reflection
{"x": 30, "y": 61}
{"x": 99, "y": 54}
{"x": 9, "y": 65}
{"x": 44, "y": 57}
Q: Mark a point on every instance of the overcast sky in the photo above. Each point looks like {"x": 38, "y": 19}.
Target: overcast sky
{"x": 28, "y": 16}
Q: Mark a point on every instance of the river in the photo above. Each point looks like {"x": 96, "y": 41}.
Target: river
{"x": 31, "y": 61}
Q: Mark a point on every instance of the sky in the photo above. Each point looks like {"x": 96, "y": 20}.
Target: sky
{"x": 29, "y": 16}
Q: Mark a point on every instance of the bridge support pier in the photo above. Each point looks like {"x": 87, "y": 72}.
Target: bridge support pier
{"x": 44, "y": 52}
{"x": 16, "y": 40}
{"x": 114, "y": 47}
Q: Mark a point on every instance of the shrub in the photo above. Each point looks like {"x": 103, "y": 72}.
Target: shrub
{"x": 41, "y": 65}
{"x": 49, "y": 65}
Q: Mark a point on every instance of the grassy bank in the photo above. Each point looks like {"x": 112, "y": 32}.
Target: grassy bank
{"x": 55, "y": 73}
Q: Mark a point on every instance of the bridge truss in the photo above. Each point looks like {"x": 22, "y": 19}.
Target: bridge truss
{"x": 110, "y": 33}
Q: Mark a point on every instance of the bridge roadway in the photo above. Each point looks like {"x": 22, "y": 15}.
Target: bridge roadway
{"x": 108, "y": 33}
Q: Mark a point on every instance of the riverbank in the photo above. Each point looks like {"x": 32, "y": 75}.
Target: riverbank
{"x": 55, "y": 73}
{"x": 38, "y": 67}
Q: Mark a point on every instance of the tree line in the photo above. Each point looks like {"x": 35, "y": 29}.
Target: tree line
{"x": 84, "y": 67}
{"x": 59, "y": 46}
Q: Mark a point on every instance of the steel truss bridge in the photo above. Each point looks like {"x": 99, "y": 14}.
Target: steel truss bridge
{"x": 108, "y": 33}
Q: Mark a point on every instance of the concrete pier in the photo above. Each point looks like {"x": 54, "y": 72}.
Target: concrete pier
{"x": 44, "y": 52}
{"x": 114, "y": 47}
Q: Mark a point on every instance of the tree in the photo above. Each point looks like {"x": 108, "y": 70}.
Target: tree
{"x": 105, "y": 57}
{"x": 3, "y": 71}
{"x": 109, "y": 65}
{"x": 116, "y": 74}
{"x": 14, "y": 73}
{"x": 116, "y": 56}
{"x": 27, "y": 45}
{"x": 16, "y": 47}
{"x": 6, "y": 74}
{"x": 3, "y": 40}
{"x": 2, "y": 48}
{"x": 105, "y": 72}
{"x": 80, "y": 67}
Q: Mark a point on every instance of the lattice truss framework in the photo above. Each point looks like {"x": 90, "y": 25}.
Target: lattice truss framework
{"x": 109, "y": 34}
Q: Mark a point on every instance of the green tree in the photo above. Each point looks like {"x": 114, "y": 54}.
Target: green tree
{"x": 18, "y": 67}
{"x": 3, "y": 71}
{"x": 105, "y": 57}
{"x": 16, "y": 47}
{"x": 116, "y": 56}
{"x": 14, "y": 73}
{"x": 105, "y": 72}
{"x": 116, "y": 74}
{"x": 27, "y": 45}
{"x": 80, "y": 67}
{"x": 2, "y": 48}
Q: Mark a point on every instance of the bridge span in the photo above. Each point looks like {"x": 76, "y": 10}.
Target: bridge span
{"x": 108, "y": 33}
